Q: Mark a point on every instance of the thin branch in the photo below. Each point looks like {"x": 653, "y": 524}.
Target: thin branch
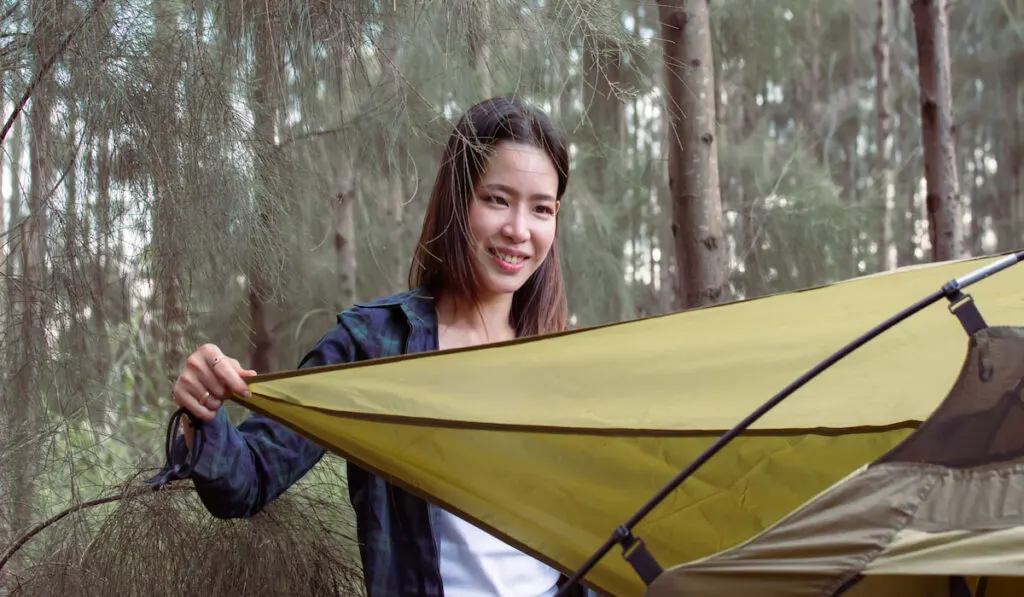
{"x": 44, "y": 70}
{"x": 25, "y": 538}
{"x": 10, "y": 11}
{"x": 310, "y": 135}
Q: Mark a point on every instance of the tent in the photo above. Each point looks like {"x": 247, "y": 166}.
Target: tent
{"x": 894, "y": 472}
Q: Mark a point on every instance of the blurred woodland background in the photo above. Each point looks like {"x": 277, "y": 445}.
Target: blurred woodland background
{"x": 238, "y": 172}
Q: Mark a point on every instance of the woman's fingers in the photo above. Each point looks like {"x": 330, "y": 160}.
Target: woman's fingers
{"x": 229, "y": 372}
{"x": 209, "y": 378}
{"x": 195, "y": 398}
{"x": 199, "y": 365}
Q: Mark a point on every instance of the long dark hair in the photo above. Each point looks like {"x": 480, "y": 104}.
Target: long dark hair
{"x": 442, "y": 260}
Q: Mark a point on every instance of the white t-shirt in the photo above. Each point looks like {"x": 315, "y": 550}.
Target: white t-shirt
{"x": 477, "y": 564}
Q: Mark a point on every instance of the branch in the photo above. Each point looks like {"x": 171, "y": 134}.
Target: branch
{"x": 42, "y": 73}
{"x": 310, "y": 135}
{"x": 127, "y": 494}
{"x": 10, "y": 11}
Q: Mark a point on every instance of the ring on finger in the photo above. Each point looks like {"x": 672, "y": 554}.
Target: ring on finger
{"x": 202, "y": 401}
{"x": 213, "y": 363}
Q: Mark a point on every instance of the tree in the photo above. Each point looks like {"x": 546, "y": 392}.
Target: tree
{"x": 883, "y": 134}
{"x": 931, "y": 30}
{"x": 267, "y": 101}
{"x": 698, "y": 227}
{"x": 344, "y": 199}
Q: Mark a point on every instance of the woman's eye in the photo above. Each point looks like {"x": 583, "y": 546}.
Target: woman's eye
{"x": 495, "y": 200}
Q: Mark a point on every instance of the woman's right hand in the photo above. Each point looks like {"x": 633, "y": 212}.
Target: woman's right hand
{"x": 208, "y": 379}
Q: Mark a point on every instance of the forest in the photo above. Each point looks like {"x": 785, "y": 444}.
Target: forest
{"x": 177, "y": 173}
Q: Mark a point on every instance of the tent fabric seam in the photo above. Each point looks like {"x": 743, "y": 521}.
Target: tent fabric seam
{"x": 578, "y": 430}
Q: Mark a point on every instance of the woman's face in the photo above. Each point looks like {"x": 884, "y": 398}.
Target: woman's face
{"x": 512, "y": 217}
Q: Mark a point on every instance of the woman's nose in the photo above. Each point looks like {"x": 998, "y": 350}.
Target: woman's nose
{"x": 517, "y": 227}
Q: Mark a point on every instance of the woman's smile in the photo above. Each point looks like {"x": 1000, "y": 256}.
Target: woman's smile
{"x": 508, "y": 260}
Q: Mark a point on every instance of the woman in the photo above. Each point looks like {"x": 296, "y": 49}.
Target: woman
{"x": 485, "y": 270}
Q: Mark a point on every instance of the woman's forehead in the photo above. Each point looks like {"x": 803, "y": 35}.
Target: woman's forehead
{"x": 521, "y": 169}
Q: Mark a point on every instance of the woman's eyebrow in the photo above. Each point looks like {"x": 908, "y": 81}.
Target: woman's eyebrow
{"x": 494, "y": 186}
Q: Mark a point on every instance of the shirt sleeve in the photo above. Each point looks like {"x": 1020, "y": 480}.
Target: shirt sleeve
{"x": 239, "y": 470}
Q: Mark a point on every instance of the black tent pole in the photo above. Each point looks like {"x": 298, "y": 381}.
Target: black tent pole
{"x": 634, "y": 549}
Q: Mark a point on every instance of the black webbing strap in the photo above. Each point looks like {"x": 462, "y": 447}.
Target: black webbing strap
{"x": 173, "y": 428}
{"x": 635, "y": 551}
{"x": 958, "y": 587}
{"x": 962, "y": 305}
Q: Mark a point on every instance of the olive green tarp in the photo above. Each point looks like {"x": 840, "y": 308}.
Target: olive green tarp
{"x": 552, "y": 442}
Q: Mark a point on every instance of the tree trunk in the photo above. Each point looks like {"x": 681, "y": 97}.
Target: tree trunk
{"x": 602, "y": 67}
{"x": 904, "y": 149}
{"x": 267, "y": 102}
{"x": 74, "y": 263}
{"x": 884, "y": 135}
{"x": 29, "y": 350}
{"x": 906, "y": 185}
{"x": 14, "y": 308}
{"x": 983, "y": 189}
{"x": 12, "y": 266}
{"x": 40, "y": 183}
{"x": 661, "y": 226}
{"x": 6, "y": 323}
{"x": 697, "y": 221}
{"x": 344, "y": 214}
{"x": 344, "y": 236}
{"x": 6, "y": 250}
{"x": 606, "y": 132}
{"x": 394, "y": 191}
{"x": 167, "y": 194}
{"x": 1011, "y": 195}
{"x": 103, "y": 232}
{"x": 1018, "y": 164}
{"x": 931, "y": 29}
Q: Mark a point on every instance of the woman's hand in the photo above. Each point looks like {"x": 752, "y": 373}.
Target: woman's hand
{"x": 208, "y": 379}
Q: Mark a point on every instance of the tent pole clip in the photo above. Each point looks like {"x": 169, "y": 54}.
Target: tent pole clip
{"x": 635, "y": 551}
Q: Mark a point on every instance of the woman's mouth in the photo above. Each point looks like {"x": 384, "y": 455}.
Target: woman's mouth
{"x": 509, "y": 262}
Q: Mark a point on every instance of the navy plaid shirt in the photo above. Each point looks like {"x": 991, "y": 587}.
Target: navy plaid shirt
{"x": 240, "y": 470}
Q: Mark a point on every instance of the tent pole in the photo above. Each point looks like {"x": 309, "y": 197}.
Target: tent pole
{"x": 635, "y": 551}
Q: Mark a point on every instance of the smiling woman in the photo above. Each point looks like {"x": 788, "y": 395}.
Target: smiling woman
{"x": 514, "y": 210}
{"x": 485, "y": 269}
{"x": 508, "y": 240}
{"x": 501, "y": 182}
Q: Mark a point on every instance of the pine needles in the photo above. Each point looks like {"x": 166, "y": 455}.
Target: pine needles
{"x": 165, "y": 543}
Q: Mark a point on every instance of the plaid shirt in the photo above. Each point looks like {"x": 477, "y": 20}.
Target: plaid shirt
{"x": 240, "y": 470}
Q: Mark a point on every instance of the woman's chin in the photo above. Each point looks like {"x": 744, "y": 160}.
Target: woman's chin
{"x": 497, "y": 285}
{"x": 495, "y": 281}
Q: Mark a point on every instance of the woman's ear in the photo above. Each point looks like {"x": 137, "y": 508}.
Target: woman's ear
{"x": 558, "y": 206}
